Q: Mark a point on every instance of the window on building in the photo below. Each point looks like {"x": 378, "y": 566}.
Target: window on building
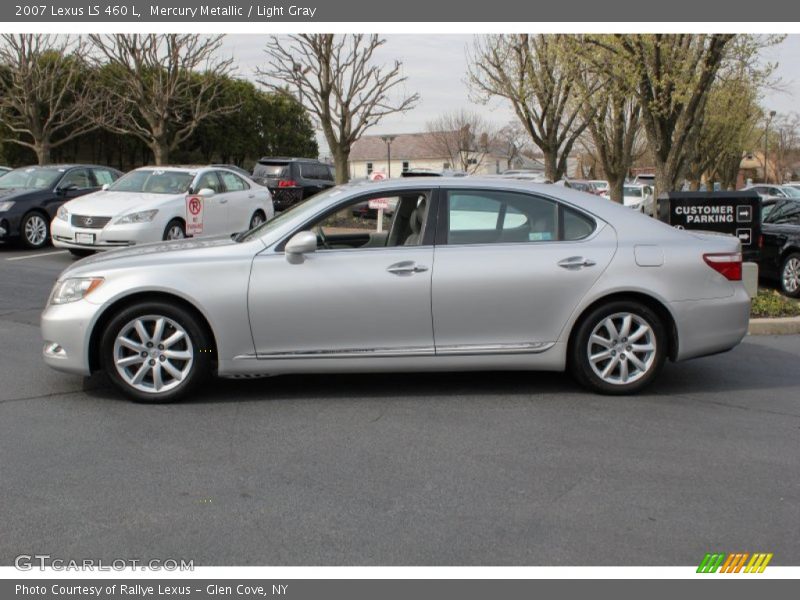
{"x": 405, "y": 166}
{"x": 369, "y": 168}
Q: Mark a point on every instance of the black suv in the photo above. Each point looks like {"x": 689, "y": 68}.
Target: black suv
{"x": 30, "y": 197}
{"x": 291, "y": 180}
{"x": 780, "y": 244}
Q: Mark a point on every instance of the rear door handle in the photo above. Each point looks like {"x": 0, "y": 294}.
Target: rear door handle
{"x": 406, "y": 267}
{"x": 576, "y": 262}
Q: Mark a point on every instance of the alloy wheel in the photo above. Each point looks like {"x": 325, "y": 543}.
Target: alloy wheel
{"x": 791, "y": 275}
{"x": 35, "y": 230}
{"x": 153, "y": 354}
{"x": 622, "y": 348}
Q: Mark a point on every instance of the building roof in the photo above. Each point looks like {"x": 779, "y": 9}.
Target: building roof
{"x": 405, "y": 146}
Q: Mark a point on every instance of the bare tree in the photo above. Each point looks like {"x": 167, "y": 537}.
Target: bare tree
{"x": 514, "y": 142}
{"x": 671, "y": 76}
{"x": 533, "y": 73}
{"x": 160, "y": 87}
{"x": 785, "y": 144}
{"x": 614, "y": 127}
{"x": 45, "y": 91}
{"x": 337, "y": 80}
{"x": 463, "y": 137}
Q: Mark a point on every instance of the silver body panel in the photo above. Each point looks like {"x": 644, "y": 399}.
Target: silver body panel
{"x": 483, "y": 306}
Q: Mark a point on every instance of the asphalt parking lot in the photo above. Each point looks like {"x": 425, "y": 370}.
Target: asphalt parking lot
{"x": 467, "y": 469}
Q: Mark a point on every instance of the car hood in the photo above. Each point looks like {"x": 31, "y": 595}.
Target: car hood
{"x": 112, "y": 204}
{"x": 20, "y": 194}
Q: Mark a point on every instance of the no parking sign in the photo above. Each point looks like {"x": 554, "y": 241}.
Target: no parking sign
{"x": 194, "y": 215}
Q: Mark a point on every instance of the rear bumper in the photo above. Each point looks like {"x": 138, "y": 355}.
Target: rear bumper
{"x": 711, "y": 326}
{"x": 283, "y": 198}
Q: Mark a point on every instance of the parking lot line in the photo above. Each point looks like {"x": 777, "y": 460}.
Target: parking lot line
{"x": 37, "y": 255}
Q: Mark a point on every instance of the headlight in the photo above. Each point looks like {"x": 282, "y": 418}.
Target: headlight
{"x": 62, "y": 213}
{"x": 73, "y": 289}
{"x": 144, "y": 216}
{"x": 4, "y": 206}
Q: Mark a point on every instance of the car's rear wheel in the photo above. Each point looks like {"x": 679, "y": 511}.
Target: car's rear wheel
{"x": 34, "y": 230}
{"x": 790, "y": 275}
{"x": 155, "y": 352}
{"x": 618, "y": 348}
{"x": 257, "y": 219}
{"x": 175, "y": 230}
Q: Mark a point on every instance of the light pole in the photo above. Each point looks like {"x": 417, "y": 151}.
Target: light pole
{"x": 772, "y": 114}
{"x": 388, "y": 139}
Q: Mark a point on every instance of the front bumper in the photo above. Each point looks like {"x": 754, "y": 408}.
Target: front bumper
{"x": 64, "y": 235}
{"x": 711, "y": 326}
{"x": 66, "y": 330}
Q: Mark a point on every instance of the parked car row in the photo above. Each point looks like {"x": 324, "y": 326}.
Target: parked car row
{"x": 86, "y": 208}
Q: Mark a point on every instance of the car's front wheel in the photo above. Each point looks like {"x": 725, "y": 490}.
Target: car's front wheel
{"x": 155, "y": 352}
{"x": 619, "y": 348}
{"x": 34, "y": 230}
{"x": 790, "y": 275}
{"x": 175, "y": 230}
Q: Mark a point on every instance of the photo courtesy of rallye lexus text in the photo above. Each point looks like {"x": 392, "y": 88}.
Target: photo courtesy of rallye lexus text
{"x": 466, "y": 274}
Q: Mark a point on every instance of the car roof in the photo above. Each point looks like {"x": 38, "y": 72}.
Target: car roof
{"x": 68, "y": 166}
{"x": 289, "y": 159}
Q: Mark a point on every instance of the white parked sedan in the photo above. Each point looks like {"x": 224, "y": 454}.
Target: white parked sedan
{"x": 150, "y": 205}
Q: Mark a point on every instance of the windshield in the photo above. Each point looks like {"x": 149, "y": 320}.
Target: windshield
{"x": 30, "y": 178}
{"x": 288, "y": 215}
{"x": 633, "y": 191}
{"x": 154, "y": 181}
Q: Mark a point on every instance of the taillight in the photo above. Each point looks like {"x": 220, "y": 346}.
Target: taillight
{"x": 287, "y": 183}
{"x": 728, "y": 264}
{"x": 760, "y": 242}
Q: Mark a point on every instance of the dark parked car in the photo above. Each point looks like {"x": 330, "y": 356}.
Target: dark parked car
{"x": 780, "y": 244}
{"x": 292, "y": 180}
{"x": 30, "y": 197}
{"x": 236, "y": 169}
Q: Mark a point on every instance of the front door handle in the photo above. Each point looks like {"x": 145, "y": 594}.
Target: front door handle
{"x": 576, "y": 262}
{"x": 406, "y": 267}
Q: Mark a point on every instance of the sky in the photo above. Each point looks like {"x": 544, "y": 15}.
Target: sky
{"x": 436, "y": 68}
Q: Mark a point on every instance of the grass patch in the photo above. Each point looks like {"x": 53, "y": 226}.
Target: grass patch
{"x": 771, "y": 303}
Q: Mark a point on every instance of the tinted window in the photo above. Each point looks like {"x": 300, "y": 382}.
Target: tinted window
{"x": 208, "y": 180}
{"x": 233, "y": 183}
{"x": 576, "y": 225}
{"x": 787, "y": 214}
{"x": 495, "y": 217}
{"x": 104, "y": 176}
{"x": 77, "y": 179}
{"x": 271, "y": 170}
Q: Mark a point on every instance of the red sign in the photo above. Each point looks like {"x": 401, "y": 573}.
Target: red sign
{"x": 379, "y": 204}
{"x": 194, "y": 215}
{"x": 377, "y": 176}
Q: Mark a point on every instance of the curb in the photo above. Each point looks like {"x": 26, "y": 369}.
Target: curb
{"x": 777, "y": 326}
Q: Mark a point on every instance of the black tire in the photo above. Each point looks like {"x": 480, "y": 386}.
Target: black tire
{"x": 30, "y": 230}
{"x": 579, "y": 354}
{"x": 80, "y": 253}
{"x": 198, "y": 346}
{"x": 790, "y": 286}
{"x": 257, "y": 216}
{"x": 172, "y": 227}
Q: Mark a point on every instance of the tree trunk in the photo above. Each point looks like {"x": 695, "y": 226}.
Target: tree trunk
{"x": 341, "y": 160}
{"x": 616, "y": 189}
{"x": 160, "y": 153}
{"x": 43, "y": 150}
{"x": 551, "y": 166}
{"x": 663, "y": 183}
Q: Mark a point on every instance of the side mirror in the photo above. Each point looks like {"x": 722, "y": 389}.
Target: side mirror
{"x": 67, "y": 188}
{"x": 303, "y": 242}
{"x": 105, "y": 187}
{"x": 205, "y": 193}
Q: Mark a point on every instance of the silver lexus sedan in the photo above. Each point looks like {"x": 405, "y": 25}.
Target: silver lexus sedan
{"x": 465, "y": 274}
